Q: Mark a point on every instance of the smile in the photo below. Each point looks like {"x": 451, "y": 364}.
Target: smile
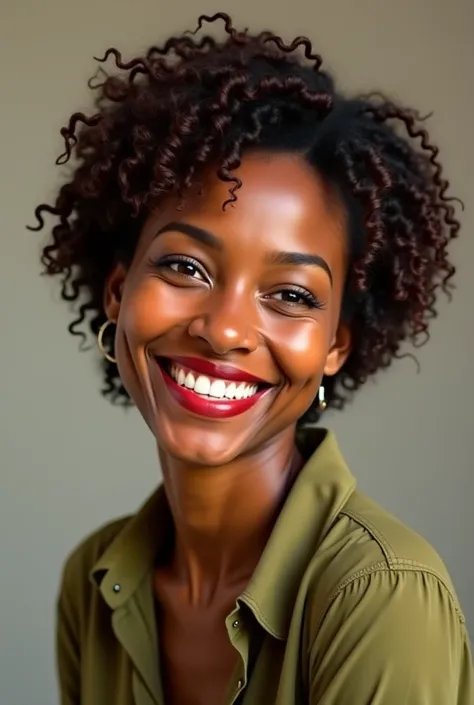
{"x": 207, "y": 395}
{"x": 213, "y": 388}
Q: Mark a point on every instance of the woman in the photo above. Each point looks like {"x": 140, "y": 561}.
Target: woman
{"x": 249, "y": 245}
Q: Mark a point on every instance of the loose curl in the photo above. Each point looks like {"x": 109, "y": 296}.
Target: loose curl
{"x": 162, "y": 117}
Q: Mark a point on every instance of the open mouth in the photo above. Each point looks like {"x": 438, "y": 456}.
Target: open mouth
{"x": 208, "y": 395}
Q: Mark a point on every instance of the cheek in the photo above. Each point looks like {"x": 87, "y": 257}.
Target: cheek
{"x": 151, "y": 308}
{"x": 301, "y": 348}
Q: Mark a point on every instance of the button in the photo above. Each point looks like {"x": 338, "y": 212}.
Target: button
{"x": 239, "y": 683}
{"x": 116, "y": 587}
{"x": 235, "y": 623}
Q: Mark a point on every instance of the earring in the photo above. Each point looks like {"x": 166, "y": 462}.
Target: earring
{"x": 100, "y": 341}
{"x": 322, "y": 398}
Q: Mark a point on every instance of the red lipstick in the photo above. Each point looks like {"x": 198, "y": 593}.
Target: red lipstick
{"x": 211, "y": 369}
{"x": 206, "y": 406}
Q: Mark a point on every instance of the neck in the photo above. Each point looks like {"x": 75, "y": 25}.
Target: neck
{"x": 223, "y": 516}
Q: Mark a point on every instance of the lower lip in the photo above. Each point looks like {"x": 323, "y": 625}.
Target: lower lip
{"x": 218, "y": 409}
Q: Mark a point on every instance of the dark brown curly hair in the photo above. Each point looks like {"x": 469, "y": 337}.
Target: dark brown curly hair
{"x": 163, "y": 116}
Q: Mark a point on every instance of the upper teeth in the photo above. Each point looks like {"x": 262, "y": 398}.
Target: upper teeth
{"x": 217, "y": 388}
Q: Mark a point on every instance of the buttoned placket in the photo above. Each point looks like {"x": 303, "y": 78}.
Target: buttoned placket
{"x": 131, "y": 631}
{"x": 239, "y": 639}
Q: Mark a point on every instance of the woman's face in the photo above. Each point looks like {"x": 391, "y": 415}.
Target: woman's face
{"x": 227, "y": 320}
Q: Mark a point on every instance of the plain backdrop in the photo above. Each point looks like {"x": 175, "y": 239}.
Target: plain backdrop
{"x": 69, "y": 461}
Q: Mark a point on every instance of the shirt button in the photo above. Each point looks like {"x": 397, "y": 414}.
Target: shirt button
{"x": 235, "y": 623}
{"x": 239, "y": 683}
{"x": 116, "y": 587}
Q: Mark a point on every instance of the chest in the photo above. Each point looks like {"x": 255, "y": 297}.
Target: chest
{"x": 197, "y": 659}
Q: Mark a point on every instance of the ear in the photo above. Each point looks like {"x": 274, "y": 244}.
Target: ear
{"x": 114, "y": 285}
{"x": 339, "y": 351}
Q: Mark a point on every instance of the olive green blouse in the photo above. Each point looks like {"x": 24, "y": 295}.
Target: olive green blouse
{"x": 346, "y": 607}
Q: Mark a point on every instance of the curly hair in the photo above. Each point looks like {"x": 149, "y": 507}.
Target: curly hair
{"x": 162, "y": 117}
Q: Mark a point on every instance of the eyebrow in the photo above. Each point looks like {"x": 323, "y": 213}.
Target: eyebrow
{"x": 278, "y": 258}
{"x": 192, "y": 231}
{"x": 300, "y": 258}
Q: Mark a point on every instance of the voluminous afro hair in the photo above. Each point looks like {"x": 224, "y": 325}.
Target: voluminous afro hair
{"x": 162, "y": 117}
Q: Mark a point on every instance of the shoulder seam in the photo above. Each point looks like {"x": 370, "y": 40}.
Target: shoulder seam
{"x": 397, "y": 565}
{"x": 384, "y": 543}
{"x": 393, "y": 562}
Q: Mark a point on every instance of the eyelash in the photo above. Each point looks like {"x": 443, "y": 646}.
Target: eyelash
{"x": 310, "y": 300}
{"x": 165, "y": 262}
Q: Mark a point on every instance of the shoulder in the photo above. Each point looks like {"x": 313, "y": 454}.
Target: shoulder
{"x": 393, "y": 542}
{"x": 383, "y": 617}
{"x": 368, "y": 546}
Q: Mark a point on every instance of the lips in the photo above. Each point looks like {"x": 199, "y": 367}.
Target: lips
{"x": 227, "y": 372}
{"x": 241, "y": 383}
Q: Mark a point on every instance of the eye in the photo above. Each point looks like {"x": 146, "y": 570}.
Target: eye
{"x": 297, "y": 298}
{"x": 182, "y": 266}
{"x": 187, "y": 269}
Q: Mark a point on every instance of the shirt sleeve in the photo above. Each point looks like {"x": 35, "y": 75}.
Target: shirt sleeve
{"x": 67, "y": 645}
{"x": 391, "y": 637}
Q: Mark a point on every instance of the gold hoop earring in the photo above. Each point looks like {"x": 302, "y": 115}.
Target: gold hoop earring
{"x": 322, "y": 398}
{"x": 100, "y": 341}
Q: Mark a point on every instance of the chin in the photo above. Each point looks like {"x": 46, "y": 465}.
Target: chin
{"x": 201, "y": 449}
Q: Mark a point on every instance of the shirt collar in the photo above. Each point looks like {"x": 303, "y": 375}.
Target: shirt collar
{"x": 320, "y": 491}
{"x": 131, "y": 555}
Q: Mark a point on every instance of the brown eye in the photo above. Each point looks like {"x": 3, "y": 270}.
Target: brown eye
{"x": 182, "y": 266}
{"x": 297, "y": 297}
{"x": 290, "y": 297}
{"x": 186, "y": 269}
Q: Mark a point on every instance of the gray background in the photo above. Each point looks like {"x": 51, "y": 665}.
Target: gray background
{"x": 70, "y": 462}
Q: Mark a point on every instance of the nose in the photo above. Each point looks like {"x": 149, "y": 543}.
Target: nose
{"x": 228, "y": 324}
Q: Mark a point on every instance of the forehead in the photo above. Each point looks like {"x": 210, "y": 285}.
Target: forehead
{"x": 282, "y": 204}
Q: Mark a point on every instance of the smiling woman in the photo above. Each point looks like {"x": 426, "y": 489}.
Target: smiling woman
{"x": 255, "y": 297}
{"x": 249, "y": 245}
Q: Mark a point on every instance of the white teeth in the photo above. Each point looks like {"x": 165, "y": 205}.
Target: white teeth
{"x": 203, "y": 385}
{"x": 230, "y": 390}
{"x": 240, "y": 391}
{"x": 189, "y": 381}
{"x": 218, "y": 388}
